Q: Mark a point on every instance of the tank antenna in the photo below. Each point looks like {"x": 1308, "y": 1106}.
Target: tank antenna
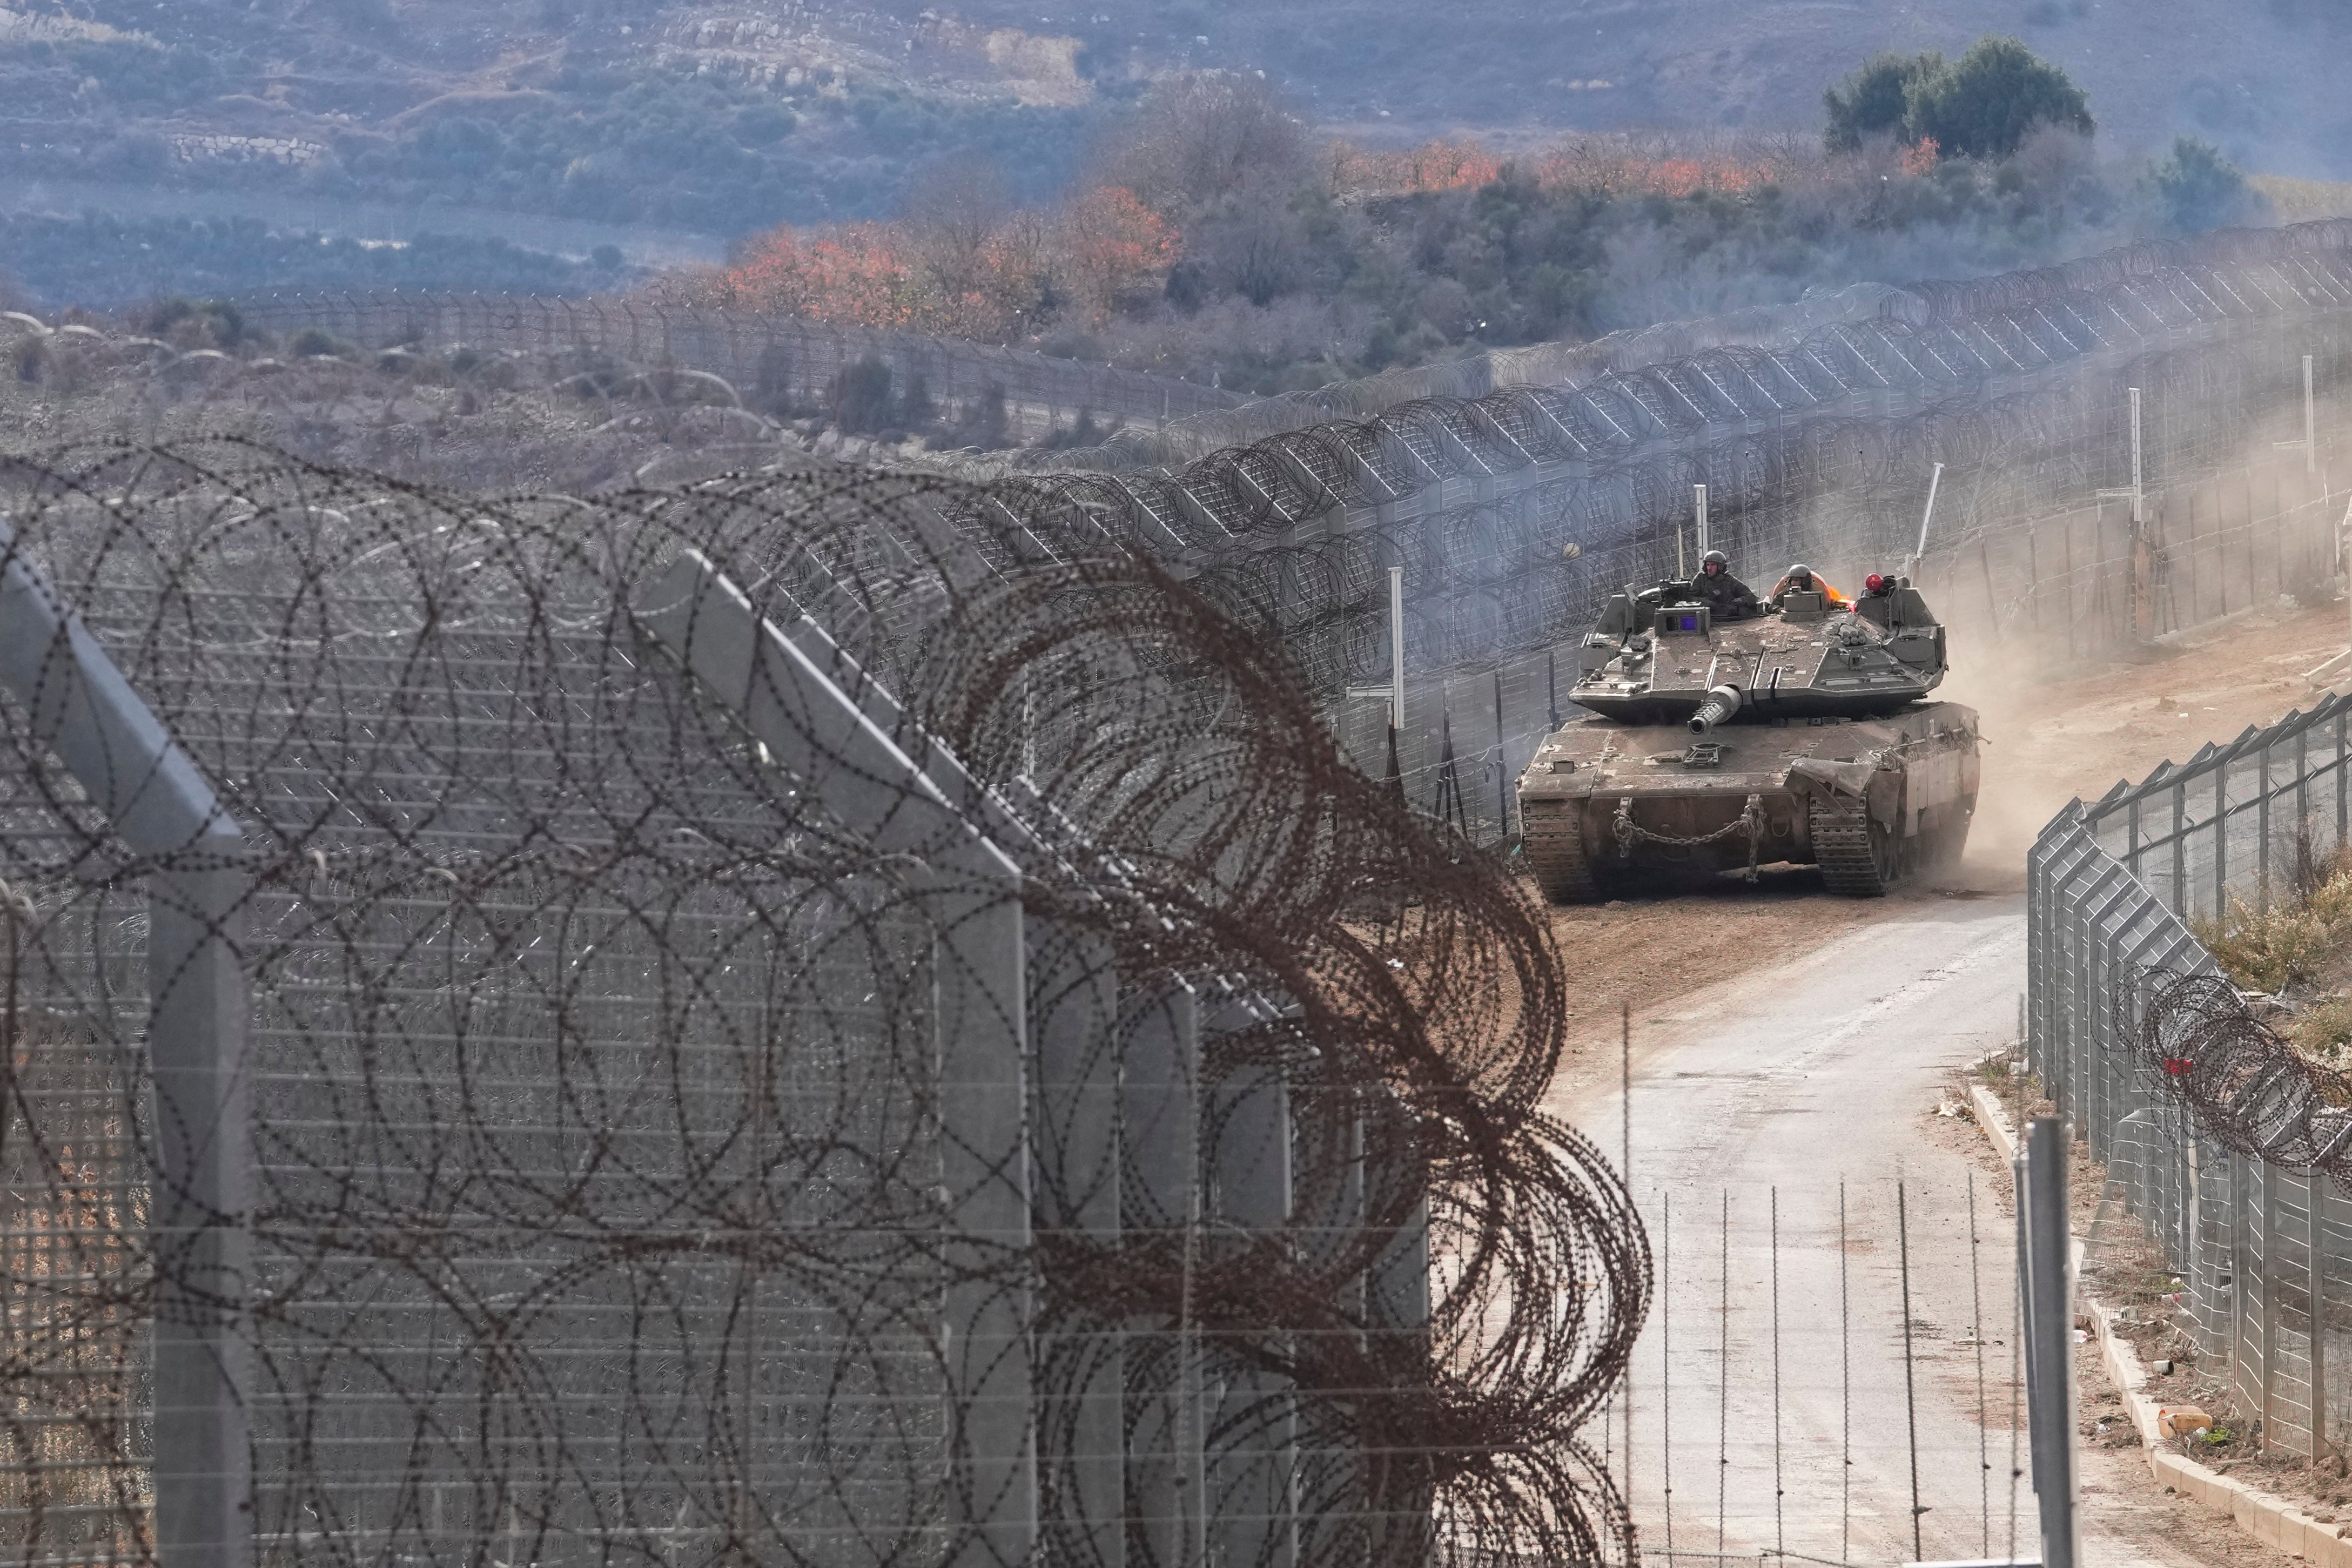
{"x": 1935, "y": 483}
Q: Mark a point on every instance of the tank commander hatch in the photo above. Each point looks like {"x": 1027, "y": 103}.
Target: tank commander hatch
{"x": 1728, "y": 597}
{"x": 1802, "y": 578}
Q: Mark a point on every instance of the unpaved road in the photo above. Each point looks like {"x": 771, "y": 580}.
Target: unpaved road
{"x": 1766, "y": 1091}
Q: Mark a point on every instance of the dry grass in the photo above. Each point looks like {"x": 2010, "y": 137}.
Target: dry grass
{"x": 2298, "y": 953}
{"x": 2301, "y": 201}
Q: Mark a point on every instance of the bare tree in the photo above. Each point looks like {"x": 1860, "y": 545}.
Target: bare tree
{"x": 953, "y": 210}
{"x": 1197, "y": 137}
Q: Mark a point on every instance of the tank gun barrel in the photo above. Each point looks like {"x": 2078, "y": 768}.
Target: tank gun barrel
{"x": 1720, "y": 704}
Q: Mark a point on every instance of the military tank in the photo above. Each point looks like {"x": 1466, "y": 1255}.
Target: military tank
{"x": 1717, "y": 742}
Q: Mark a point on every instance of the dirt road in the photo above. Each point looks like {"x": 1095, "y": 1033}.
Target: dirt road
{"x": 1776, "y": 1354}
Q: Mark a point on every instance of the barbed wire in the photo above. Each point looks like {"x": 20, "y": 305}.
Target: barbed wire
{"x": 613, "y": 1152}
{"x": 2244, "y": 1086}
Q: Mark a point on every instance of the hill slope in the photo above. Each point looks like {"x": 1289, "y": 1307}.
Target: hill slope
{"x": 2258, "y": 78}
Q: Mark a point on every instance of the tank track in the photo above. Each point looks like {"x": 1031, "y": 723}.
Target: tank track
{"x": 1554, "y": 842}
{"x": 1850, "y": 862}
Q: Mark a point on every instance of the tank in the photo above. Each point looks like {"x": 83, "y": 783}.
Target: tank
{"x": 1801, "y": 733}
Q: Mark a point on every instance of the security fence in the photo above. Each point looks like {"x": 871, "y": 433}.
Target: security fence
{"x": 2103, "y": 445}
{"x": 2250, "y": 819}
{"x": 710, "y": 1026}
{"x": 2225, "y": 1143}
{"x": 776, "y": 360}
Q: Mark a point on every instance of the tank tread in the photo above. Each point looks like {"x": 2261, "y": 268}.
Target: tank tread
{"x": 1850, "y": 860}
{"x": 1554, "y": 842}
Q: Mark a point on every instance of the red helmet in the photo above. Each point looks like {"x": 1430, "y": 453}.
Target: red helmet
{"x": 1875, "y": 584}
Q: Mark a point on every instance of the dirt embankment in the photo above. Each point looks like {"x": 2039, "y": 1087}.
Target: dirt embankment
{"x": 2055, "y": 729}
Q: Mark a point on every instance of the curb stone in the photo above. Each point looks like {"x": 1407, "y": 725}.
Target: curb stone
{"x": 2268, "y": 1518}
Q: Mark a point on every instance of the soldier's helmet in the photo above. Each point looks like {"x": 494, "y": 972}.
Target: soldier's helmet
{"x": 1714, "y": 562}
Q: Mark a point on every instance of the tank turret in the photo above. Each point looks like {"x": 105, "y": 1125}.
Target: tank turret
{"x": 1664, "y": 654}
{"x": 1720, "y": 737}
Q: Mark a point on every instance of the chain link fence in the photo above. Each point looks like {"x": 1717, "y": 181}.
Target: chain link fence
{"x": 2222, "y": 1140}
{"x": 775, "y": 362}
{"x": 2103, "y": 442}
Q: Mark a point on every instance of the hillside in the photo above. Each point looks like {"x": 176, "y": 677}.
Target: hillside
{"x": 572, "y": 146}
{"x": 651, "y": 126}
{"x": 2258, "y": 78}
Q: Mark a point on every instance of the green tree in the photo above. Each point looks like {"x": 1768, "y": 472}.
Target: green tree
{"x": 1985, "y": 103}
{"x": 2197, "y": 189}
{"x": 1873, "y": 100}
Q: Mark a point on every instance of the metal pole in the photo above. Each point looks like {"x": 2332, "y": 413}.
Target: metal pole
{"x": 1625, "y": 1174}
{"x": 1705, "y": 537}
{"x": 787, "y": 699}
{"x": 1935, "y": 484}
{"x": 1910, "y": 1386}
{"x": 2316, "y": 1195}
{"x": 2139, "y": 491}
{"x": 2310, "y": 423}
{"x": 2050, "y": 1337}
{"x": 1396, "y": 647}
{"x": 78, "y": 706}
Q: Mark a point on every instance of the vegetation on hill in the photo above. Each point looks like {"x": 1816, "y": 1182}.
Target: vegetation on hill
{"x": 1983, "y": 105}
{"x": 1213, "y": 234}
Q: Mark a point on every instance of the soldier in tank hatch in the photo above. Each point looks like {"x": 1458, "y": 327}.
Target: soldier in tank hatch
{"x": 1802, "y": 578}
{"x": 1725, "y": 595}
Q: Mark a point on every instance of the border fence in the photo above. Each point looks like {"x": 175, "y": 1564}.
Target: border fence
{"x": 776, "y": 360}
{"x": 2137, "y": 443}
{"x": 706, "y": 1026}
{"x": 2224, "y": 1141}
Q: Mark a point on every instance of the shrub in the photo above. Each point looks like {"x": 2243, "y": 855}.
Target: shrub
{"x": 2291, "y": 942}
{"x": 2196, "y": 189}
{"x": 861, "y": 398}
{"x": 1874, "y": 99}
{"x": 314, "y": 341}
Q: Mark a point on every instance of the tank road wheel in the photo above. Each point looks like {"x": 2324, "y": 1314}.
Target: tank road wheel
{"x": 1857, "y": 857}
{"x": 1554, "y": 840}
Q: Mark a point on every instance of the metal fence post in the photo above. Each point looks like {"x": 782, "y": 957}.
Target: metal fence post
{"x": 1252, "y": 1167}
{"x": 2315, "y": 1197}
{"x": 79, "y": 707}
{"x": 2221, "y": 837}
{"x": 1074, "y": 1013}
{"x": 2180, "y": 847}
{"x": 2342, "y": 798}
{"x": 1163, "y": 1145}
{"x": 2263, "y": 832}
{"x": 197, "y": 1045}
{"x": 2046, "y": 1280}
{"x": 823, "y": 736}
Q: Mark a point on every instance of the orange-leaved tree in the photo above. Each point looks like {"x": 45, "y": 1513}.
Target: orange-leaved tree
{"x": 1112, "y": 245}
{"x": 1440, "y": 165}
{"x": 857, "y": 275}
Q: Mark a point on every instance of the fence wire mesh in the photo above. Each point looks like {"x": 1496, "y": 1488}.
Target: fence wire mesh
{"x": 2113, "y": 439}
{"x": 2223, "y": 1143}
{"x": 776, "y": 360}
{"x": 715, "y": 1024}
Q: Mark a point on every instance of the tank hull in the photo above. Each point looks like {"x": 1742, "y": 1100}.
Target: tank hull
{"x": 1609, "y": 806}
